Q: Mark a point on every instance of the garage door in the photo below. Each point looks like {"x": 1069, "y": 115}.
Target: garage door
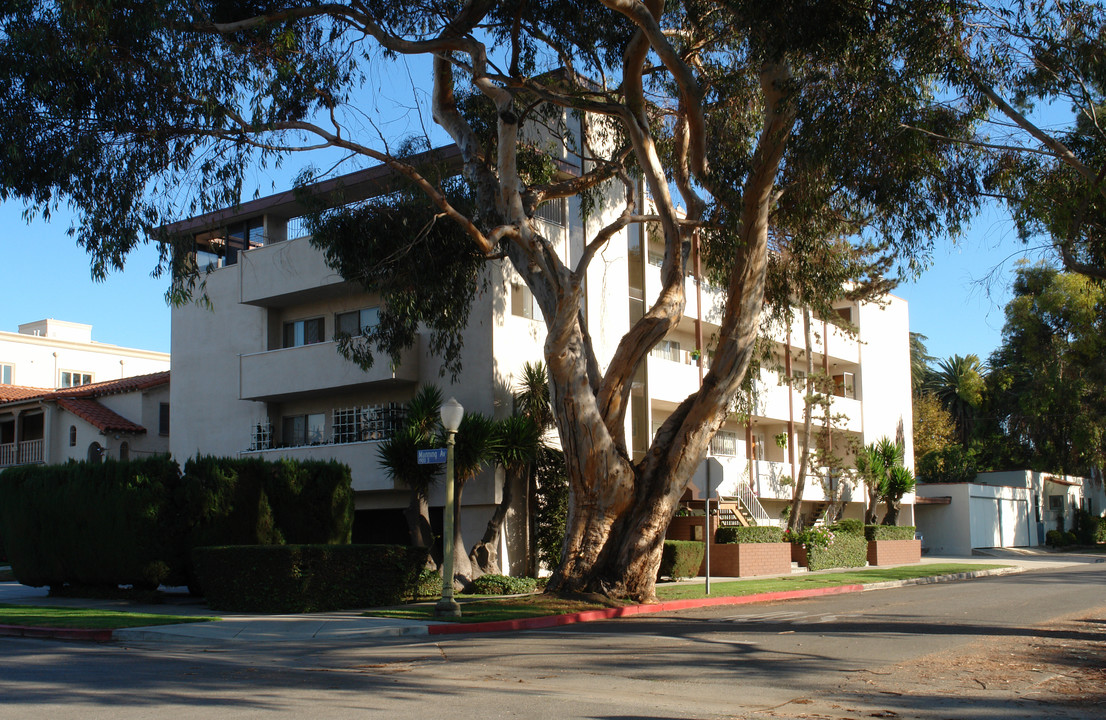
{"x": 999, "y": 522}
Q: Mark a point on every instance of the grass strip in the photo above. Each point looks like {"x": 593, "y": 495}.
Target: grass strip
{"x": 85, "y": 618}
{"x": 476, "y": 609}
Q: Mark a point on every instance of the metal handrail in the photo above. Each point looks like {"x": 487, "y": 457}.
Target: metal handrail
{"x": 752, "y": 504}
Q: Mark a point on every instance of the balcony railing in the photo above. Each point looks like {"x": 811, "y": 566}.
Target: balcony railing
{"x": 25, "y": 452}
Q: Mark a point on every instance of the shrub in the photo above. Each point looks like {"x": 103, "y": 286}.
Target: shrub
{"x": 503, "y": 585}
{"x": 755, "y": 534}
{"x": 111, "y": 523}
{"x": 843, "y": 551}
{"x": 429, "y": 585}
{"x": 551, "y": 498}
{"x": 1054, "y": 538}
{"x": 849, "y": 526}
{"x": 889, "y": 532}
{"x": 307, "y": 578}
{"x": 1100, "y": 531}
{"x": 817, "y": 536}
{"x": 1070, "y": 539}
{"x": 681, "y": 559}
{"x": 1086, "y": 527}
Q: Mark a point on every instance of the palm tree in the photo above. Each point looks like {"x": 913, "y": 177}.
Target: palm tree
{"x": 919, "y": 361}
{"x": 874, "y": 463}
{"x": 958, "y": 385}
{"x": 899, "y": 482}
{"x": 398, "y": 455}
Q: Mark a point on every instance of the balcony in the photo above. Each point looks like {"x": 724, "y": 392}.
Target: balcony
{"x": 361, "y": 457}
{"x": 25, "y": 452}
{"x": 290, "y": 373}
{"x": 286, "y": 273}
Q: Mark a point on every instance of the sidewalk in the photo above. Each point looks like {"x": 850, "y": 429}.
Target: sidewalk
{"x": 349, "y": 625}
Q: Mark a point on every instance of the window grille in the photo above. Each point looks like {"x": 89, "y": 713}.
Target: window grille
{"x": 368, "y": 422}
{"x": 262, "y": 436}
{"x": 724, "y": 443}
{"x": 552, "y": 211}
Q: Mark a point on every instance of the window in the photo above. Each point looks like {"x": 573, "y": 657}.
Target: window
{"x": 72, "y": 436}
{"x": 724, "y": 442}
{"x": 163, "y": 419}
{"x": 369, "y": 422}
{"x": 6, "y": 371}
{"x": 667, "y": 350}
{"x": 303, "y": 429}
{"x": 95, "y": 453}
{"x": 845, "y": 313}
{"x": 304, "y": 332}
{"x": 262, "y": 436}
{"x": 844, "y": 385}
{"x": 124, "y": 451}
{"x": 70, "y": 378}
{"x": 522, "y": 301}
{"x": 552, "y": 211}
{"x": 1056, "y": 503}
{"x": 355, "y": 323}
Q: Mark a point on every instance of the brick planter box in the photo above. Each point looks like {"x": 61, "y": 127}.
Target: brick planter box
{"x": 748, "y": 559}
{"x": 798, "y": 555}
{"x": 894, "y": 552}
{"x": 689, "y": 527}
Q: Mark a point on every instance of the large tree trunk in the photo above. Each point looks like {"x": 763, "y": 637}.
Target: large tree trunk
{"x": 620, "y": 511}
{"x": 417, "y": 514}
{"x": 871, "y": 515}
{"x": 483, "y": 554}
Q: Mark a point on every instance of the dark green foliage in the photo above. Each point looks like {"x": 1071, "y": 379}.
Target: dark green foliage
{"x": 552, "y": 505}
{"x": 133, "y": 523}
{"x": 681, "y": 559}
{"x": 845, "y": 551}
{"x": 425, "y": 269}
{"x": 110, "y": 523}
{"x": 1054, "y": 538}
{"x": 503, "y": 585}
{"x": 1070, "y": 538}
{"x": 429, "y": 585}
{"x": 755, "y": 534}
{"x": 889, "y": 532}
{"x": 1100, "y": 531}
{"x": 249, "y": 501}
{"x": 849, "y": 526}
{"x": 307, "y": 578}
{"x": 953, "y": 464}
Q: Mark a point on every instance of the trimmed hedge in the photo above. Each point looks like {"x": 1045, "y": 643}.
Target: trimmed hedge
{"x": 502, "y": 585}
{"x": 134, "y": 523}
{"x": 755, "y": 534}
{"x": 849, "y": 527}
{"x": 681, "y": 559}
{"x": 889, "y": 532}
{"x": 845, "y": 551}
{"x": 307, "y": 578}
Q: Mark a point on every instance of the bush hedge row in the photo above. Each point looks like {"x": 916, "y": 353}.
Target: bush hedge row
{"x": 846, "y": 550}
{"x": 889, "y": 532}
{"x": 135, "y": 522}
{"x": 754, "y": 534}
{"x": 502, "y": 585}
{"x": 681, "y": 559}
{"x": 307, "y": 578}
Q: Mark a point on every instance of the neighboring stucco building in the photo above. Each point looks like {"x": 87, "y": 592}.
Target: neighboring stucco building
{"x": 260, "y": 374}
{"x": 121, "y": 419}
{"x": 56, "y": 353}
{"x": 1002, "y": 509}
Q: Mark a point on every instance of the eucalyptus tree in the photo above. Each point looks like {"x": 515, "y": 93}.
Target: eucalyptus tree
{"x": 751, "y": 125}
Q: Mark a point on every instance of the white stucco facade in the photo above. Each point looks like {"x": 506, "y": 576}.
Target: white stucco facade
{"x": 56, "y": 353}
{"x": 245, "y": 380}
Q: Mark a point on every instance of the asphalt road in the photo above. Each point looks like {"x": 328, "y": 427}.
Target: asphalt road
{"x": 937, "y": 651}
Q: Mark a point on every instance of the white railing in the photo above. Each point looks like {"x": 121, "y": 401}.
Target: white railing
{"x": 752, "y": 505}
{"x": 21, "y": 453}
{"x": 7, "y": 454}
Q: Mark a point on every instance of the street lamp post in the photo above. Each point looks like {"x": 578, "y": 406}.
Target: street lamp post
{"x": 451, "y": 413}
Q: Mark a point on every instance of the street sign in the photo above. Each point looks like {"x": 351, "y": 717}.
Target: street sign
{"x": 433, "y": 456}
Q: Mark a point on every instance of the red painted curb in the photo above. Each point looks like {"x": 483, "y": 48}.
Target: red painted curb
{"x": 628, "y": 610}
{"x": 56, "y": 633}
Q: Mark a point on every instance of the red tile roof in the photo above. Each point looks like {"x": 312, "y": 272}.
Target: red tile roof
{"x": 9, "y": 393}
{"x": 113, "y": 387}
{"x": 101, "y": 417}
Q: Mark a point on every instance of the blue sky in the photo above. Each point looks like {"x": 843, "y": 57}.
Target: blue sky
{"x": 44, "y": 274}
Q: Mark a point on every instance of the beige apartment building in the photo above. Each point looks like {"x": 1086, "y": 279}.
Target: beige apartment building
{"x": 258, "y": 374}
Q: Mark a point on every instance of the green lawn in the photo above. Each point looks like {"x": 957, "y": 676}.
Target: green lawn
{"x": 474, "y": 609}
{"x": 85, "y": 619}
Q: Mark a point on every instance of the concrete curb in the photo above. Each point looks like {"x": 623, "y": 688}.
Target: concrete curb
{"x": 612, "y": 613}
{"x": 56, "y": 633}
